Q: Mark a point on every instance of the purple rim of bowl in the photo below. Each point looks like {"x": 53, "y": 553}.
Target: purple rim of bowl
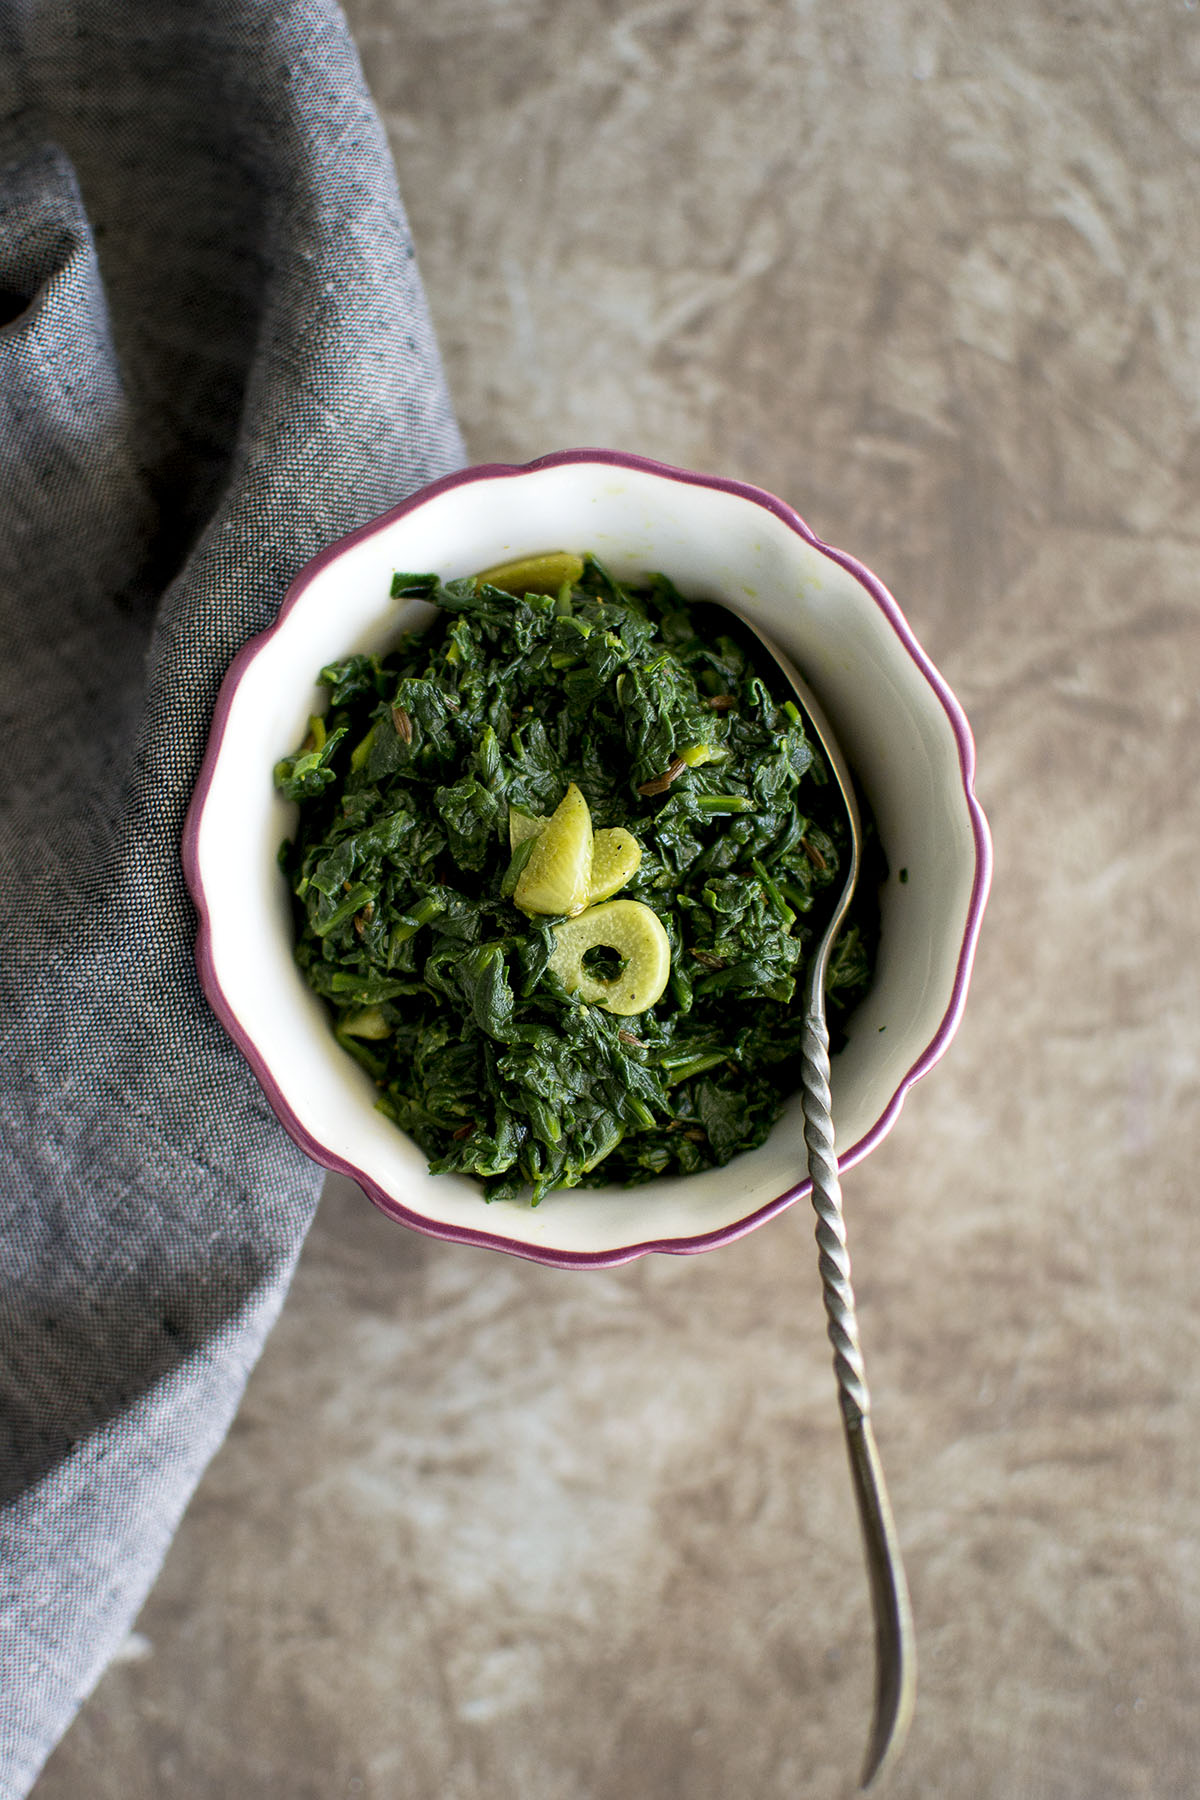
{"x": 599, "y": 1259}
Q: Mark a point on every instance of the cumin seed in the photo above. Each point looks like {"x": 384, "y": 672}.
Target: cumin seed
{"x": 658, "y": 784}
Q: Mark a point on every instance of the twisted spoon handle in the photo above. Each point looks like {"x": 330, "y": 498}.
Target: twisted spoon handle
{"x": 895, "y": 1639}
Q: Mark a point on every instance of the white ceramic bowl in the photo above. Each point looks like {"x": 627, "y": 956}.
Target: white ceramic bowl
{"x": 902, "y": 730}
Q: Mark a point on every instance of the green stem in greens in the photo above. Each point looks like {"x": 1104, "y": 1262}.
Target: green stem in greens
{"x": 684, "y": 1069}
{"x": 362, "y": 750}
{"x": 773, "y": 893}
{"x": 723, "y": 803}
{"x": 411, "y": 922}
{"x": 796, "y": 897}
{"x": 354, "y": 901}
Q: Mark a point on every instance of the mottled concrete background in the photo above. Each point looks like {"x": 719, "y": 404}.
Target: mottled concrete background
{"x": 484, "y": 1531}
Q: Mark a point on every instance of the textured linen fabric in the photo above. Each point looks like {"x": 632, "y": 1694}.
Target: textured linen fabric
{"x": 214, "y": 359}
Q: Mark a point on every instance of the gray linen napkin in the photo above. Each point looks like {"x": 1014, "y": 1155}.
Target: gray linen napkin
{"x": 214, "y": 359}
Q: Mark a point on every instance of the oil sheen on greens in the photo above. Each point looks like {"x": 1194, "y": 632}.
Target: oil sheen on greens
{"x": 402, "y": 876}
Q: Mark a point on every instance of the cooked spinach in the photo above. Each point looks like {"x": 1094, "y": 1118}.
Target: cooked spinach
{"x": 403, "y": 879}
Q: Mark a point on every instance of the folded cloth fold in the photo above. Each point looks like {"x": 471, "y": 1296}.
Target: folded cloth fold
{"x": 214, "y": 358}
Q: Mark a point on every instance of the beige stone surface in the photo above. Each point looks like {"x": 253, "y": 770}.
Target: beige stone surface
{"x": 486, "y": 1531}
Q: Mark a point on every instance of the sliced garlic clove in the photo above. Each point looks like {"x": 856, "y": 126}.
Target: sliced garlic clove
{"x": 556, "y": 877}
{"x": 636, "y": 933}
{"x": 534, "y": 574}
{"x": 616, "y": 854}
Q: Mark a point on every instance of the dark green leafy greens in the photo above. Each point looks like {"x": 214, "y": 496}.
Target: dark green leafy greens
{"x": 402, "y": 877}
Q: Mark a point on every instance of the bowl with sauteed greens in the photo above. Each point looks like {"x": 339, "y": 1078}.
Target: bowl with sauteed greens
{"x": 512, "y": 842}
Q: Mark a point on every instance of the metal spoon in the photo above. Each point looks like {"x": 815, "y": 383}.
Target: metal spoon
{"x": 895, "y": 1640}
